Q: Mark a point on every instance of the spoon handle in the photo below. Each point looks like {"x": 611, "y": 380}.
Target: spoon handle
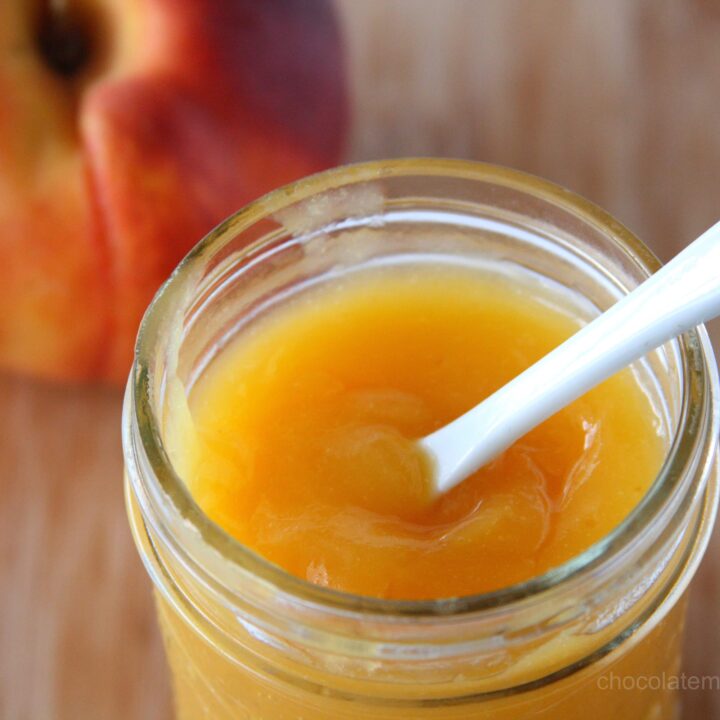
{"x": 682, "y": 294}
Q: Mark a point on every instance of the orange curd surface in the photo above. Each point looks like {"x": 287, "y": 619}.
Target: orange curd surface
{"x": 300, "y": 437}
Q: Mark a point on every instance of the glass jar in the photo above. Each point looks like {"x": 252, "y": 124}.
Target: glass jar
{"x": 597, "y": 637}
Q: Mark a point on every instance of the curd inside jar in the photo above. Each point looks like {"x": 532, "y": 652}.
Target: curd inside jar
{"x": 299, "y": 437}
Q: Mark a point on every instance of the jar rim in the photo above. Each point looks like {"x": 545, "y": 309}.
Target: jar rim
{"x": 698, "y": 399}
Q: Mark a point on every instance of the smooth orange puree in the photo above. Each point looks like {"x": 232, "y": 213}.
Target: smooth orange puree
{"x": 300, "y": 437}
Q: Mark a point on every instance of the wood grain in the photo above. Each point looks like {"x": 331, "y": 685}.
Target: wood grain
{"x": 77, "y": 634}
{"x": 618, "y": 100}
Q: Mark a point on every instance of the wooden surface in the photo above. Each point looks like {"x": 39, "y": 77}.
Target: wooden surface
{"x": 618, "y": 100}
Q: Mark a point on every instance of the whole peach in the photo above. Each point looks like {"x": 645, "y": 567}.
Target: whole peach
{"x": 128, "y": 129}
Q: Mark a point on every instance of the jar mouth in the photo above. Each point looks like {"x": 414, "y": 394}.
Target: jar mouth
{"x": 177, "y": 507}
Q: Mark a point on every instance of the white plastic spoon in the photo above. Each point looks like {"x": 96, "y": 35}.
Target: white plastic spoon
{"x": 682, "y": 294}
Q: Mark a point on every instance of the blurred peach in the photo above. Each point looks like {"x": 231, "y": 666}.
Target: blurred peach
{"x": 128, "y": 129}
